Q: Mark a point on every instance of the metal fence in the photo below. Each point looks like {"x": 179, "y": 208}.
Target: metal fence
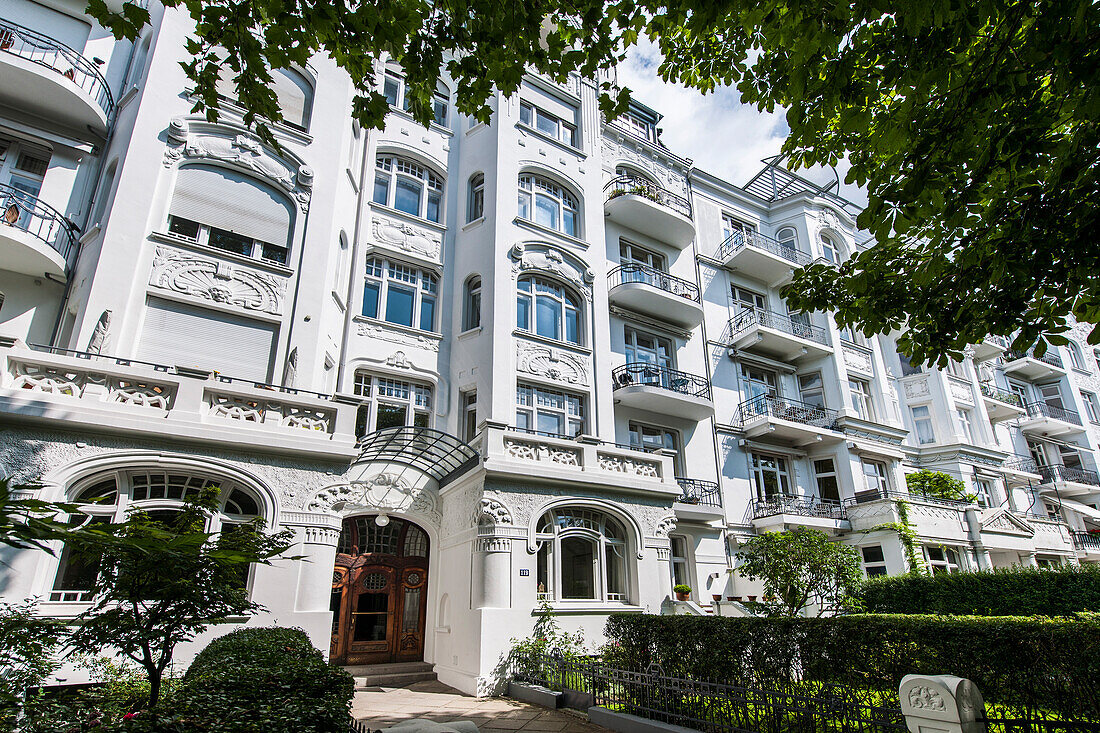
{"x": 655, "y": 375}
{"x": 639, "y": 273}
{"x": 638, "y": 186}
{"x": 801, "y": 328}
{"x": 697, "y": 491}
{"x": 24, "y": 211}
{"x": 746, "y": 238}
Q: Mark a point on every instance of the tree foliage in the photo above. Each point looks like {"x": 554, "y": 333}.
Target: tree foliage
{"x": 800, "y": 568}
{"x": 938, "y": 485}
{"x": 29, "y": 646}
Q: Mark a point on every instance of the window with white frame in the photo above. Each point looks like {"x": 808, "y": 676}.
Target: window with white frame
{"x": 407, "y": 186}
{"x": 637, "y": 125}
{"x": 966, "y": 426}
{"x": 756, "y": 382}
{"x": 582, "y": 556}
{"x": 874, "y": 561}
{"x": 830, "y": 249}
{"x": 860, "y": 392}
{"x": 850, "y": 335}
{"x": 922, "y": 421}
{"x": 985, "y": 492}
{"x": 908, "y": 368}
{"x": 549, "y": 124}
{"x": 206, "y": 208}
{"x": 632, "y": 254}
{"x": 468, "y": 401}
{"x": 787, "y": 238}
{"x": 679, "y": 559}
{"x": 1096, "y": 357}
{"x": 471, "y": 303}
{"x": 646, "y": 348}
{"x": 396, "y": 93}
{"x": 652, "y": 437}
{"x": 828, "y": 487}
{"x": 941, "y": 560}
{"x": 391, "y": 403}
{"x": 293, "y": 94}
{"x": 748, "y": 299}
{"x": 548, "y": 309}
{"x": 1092, "y": 406}
{"x": 875, "y": 477}
{"x": 549, "y": 411}
{"x": 110, "y": 499}
{"x": 770, "y": 476}
{"x": 811, "y": 389}
{"x": 548, "y": 204}
{"x": 1076, "y": 358}
{"x": 475, "y": 198}
{"x": 957, "y": 369}
{"x": 732, "y": 225}
{"x": 400, "y": 294}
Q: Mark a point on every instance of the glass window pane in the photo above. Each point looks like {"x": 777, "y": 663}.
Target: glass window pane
{"x": 523, "y": 312}
{"x": 399, "y": 305}
{"x": 549, "y": 422}
{"x": 392, "y": 89}
{"x": 231, "y": 242}
{"x": 548, "y": 318}
{"x": 524, "y": 205}
{"x": 433, "y": 206}
{"x": 381, "y": 188}
{"x": 407, "y": 196}
{"x": 427, "y": 314}
{"x": 525, "y": 114}
{"x": 569, "y": 221}
{"x": 546, "y": 123}
{"x": 546, "y": 211}
{"x": 390, "y": 416}
{"x": 577, "y": 568}
{"x": 572, "y": 328}
{"x": 370, "y": 299}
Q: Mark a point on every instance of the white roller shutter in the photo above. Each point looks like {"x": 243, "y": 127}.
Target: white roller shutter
{"x": 293, "y": 93}
{"x": 234, "y": 202}
{"x": 176, "y": 334}
{"x": 552, "y": 104}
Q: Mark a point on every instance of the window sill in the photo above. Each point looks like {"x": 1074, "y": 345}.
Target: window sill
{"x": 519, "y": 332}
{"x": 433, "y": 126}
{"x": 398, "y": 327}
{"x": 207, "y": 249}
{"x": 589, "y": 607}
{"x": 409, "y": 217}
{"x": 473, "y": 224}
{"x": 576, "y": 152}
{"x": 475, "y": 128}
{"x": 227, "y": 105}
{"x": 470, "y": 332}
{"x": 539, "y": 228}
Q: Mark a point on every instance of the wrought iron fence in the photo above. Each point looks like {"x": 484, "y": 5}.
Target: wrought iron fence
{"x": 998, "y": 724}
{"x": 993, "y": 393}
{"x": 1050, "y": 357}
{"x": 1086, "y": 541}
{"x": 802, "y": 506}
{"x": 1042, "y": 409}
{"x": 696, "y": 491}
{"x": 654, "y": 375}
{"x": 751, "y": 317}
{"x": 638, "y": 186}
{"x": 785, "y": 409}
{"x": 1058, "y": 472}
{"x": 1022, "y": 463}
{"x": 21, "y": 210}
{"x": 741, "y": 238}
{"x": 70, "y": 63}
{"x": 639, "y": 273}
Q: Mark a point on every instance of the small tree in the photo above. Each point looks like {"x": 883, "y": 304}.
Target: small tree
{"x": 801, "y": 567}
{"x": 938, "y": 485}
{"x": 169, "y": 581}
{"x": 28, "y": 654}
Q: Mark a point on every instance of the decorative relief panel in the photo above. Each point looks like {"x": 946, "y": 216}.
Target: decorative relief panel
{"x": 960, "y": 390}
{"x": 558, "y": 365}
{"x": 494, "y": 510}
{"x": 404, "y": 237}
{"x": 665, "y": 526}
{"x": 621, "y": 464}
{"x": 547, "y": 258}
{"x": 529, "y": 451}
{"x": 382, "y": 492}
{"x": 217, "y": 280}
{"x": 858, "y": 359}
{"x": 917, "y": 388}
{"x": 376, "y": 331}
{"x": 633, "y": 155}
{"x": 91, "y": 386}
{"x": 259, "y": 411}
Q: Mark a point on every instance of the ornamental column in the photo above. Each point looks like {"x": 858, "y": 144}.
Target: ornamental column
{"x": 316, "y": 538}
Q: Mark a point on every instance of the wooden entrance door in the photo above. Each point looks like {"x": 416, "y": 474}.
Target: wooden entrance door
{"x": 379, "y": 592}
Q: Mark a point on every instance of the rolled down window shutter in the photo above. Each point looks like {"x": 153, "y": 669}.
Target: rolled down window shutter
{"x": 176, "y": 334}
{"x": 294, "y": 95}
{"x": 232, "y": 201}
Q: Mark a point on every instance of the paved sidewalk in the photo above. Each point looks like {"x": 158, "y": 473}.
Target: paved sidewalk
{"x": 385, "y": 706}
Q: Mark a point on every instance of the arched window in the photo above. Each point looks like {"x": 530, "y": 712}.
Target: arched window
{"x": 787, "y": 238}
{"x": 548, "y": 204}
{"x": 471, "y": 303}
{"x": 581, "y": 557}
{"x": 401, "y": 183}
{"x": 108, "y": 500}
{"x": 207, "y": 205}
{"x": 475, "y": 197}
{"x": 293, "y": 93}
{"x": 830, "y": 250}
{"x": 1076, "y": 358}
{"x": 548, "y": 309}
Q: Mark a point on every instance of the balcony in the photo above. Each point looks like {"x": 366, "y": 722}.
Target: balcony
{"x": 700, "y": 500}
{"x": 1021, "y": 470}
{"x": 990, "y": 348}
{"x": 1028, "y": 366}
{"x": 775, "y": 512}
{"x": 50, "y": 80}
{"x": 34, "y": 238}
{"x": 653, "y": 292}
{"x": 642, "y": 205}
{"x": 662, "y": 390}
{"x": 1071, "y": 480}
{"x": 777, "y": 335}
{"x": 930, "y": 517}
{"x": 1087, "y": 544}
{"x": 1000, "y": 404}
{"x": 1044, "y": 419}
{"x": 761, "y": 258}
{"x": 788, "y": 420}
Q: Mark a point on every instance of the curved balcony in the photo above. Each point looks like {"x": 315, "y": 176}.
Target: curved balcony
{"x": 650, "y": 291}
{"x": 34, "y": 237}
{"x": 1087, "y": 544}
{"x": 50, "y": 80}
{"x": 662, "y": 390}
{"x": 701, "y": 500}
{"x": 782, "y": 510}
{"x": 1071, "y": 480}
{"x": 999, "y": 404}
{"x": 777, "y": 335}
{"x": 990, "y": 348}
{"x": 761, "y": 258}
{"x": 645, "y": 207}
{"x": 1044, "y": 419}
{"x": 1029, "y": 366}
{"x": 790, "y": 420}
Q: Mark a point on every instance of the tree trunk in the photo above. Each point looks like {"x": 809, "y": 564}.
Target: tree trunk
{"x": 155, "y": 676}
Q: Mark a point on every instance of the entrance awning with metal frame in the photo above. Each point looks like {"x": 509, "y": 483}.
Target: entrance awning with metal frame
{"x": 433, "y": 452}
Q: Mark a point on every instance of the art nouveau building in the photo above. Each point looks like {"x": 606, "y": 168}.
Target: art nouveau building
{"x": 475, "y": 368}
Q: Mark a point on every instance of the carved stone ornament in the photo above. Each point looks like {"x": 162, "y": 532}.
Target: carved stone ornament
{"x": 858, "y": 360}
{"x": 941, "y": 703}
{"x": 558, "y": 365}
{"x": 493, "y": 510}
{"x": 829, "y": 220}
{"x": 1002, "y": 521}
{"x": 217, "y": 281}
{"x": 371, "y": 330}
{"x": 960, "y": 391}
{"x": 665, "y": 526}
{"x": 666, "y": 177}
{"x": 404, "y": 237}
{"x": 916, "y": 388}
{"x": 547, "y": 258}
{"x": 382, "y": 492}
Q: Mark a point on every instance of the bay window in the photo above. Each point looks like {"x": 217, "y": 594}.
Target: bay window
{"x": 409, "y": 187}
{"x": 581, "y": 557}
{"x": 548, "y": 204}
{"x": 400, "y": 294}
{"x": 548, "y": 309}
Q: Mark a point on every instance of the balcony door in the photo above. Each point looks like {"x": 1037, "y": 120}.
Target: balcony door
{"x": 758, "y": 383}
{"x": 647, "y": 349}
{"x": 1052, "y": 395}
{"x": 770, "y": 476}
{"x": 632, "y": 254}
{"x": 748, "y": 299}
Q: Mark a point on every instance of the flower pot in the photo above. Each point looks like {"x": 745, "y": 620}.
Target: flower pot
{"x": 752, "y": 599}
{"x": 683, "y": 596}
{"x": 717, "y": 597}
{"x": 733, "y": 598}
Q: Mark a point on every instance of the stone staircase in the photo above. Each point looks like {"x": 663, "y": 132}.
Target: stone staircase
{"x": 397, "y": 674}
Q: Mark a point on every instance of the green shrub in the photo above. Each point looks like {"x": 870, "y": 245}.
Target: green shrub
{"x": 1004, "y": 592}
{"x": 1021, "y": 664}
{"x": 264, "y": 680}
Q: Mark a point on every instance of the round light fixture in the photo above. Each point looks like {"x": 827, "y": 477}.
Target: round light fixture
{"x": 382, "y": 520}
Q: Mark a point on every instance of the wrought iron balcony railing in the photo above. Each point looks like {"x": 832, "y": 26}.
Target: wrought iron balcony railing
{"x": 703, "y": 493}
{"x": 638, "y": 273}
{"x": 1050, "y": 357}
{"x": 1042, "y": 409}
{"x": 870, "y": 495}
{"x": 751, "y": 317}
{"x": 20, "y": 210}
{"x": 803, "y": 506}
{"x": 654, "y": 375}
{"x": 782, "y": 408}
{"x": 1086, "y": 541}
{"x": 1058, "y": 472}
{"x": 993, "y": 393}
{"x": 1022, "y": 463}
{"x": 638, "y": 186}
{"x": 747, "y": 238}
{"x": 70, "y": 63}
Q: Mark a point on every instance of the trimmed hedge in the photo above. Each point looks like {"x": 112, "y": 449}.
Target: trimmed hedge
{"x": 1004, "y": 592}
{"x": 1023, "y": 665}
{"x": 269, "y": 680}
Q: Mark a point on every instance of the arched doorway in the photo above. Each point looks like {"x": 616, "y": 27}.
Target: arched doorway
{"x": 379, "y": 591}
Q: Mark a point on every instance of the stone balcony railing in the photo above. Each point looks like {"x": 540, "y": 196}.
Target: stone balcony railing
{"x": 115, "y": 394}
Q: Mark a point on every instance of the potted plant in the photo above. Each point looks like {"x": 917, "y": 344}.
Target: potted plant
{"x": 716, "y": 596}
{"x": 683, "y": 592}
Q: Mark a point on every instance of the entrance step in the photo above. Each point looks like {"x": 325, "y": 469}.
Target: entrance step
{"x": 391, "y": 675}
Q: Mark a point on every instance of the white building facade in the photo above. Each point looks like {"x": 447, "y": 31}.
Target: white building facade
{"x": 476, "y": 368}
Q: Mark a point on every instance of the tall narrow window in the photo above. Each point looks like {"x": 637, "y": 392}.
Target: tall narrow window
{"x": 827, "y": 485}
{"x": 1092, "y": 407}
{"x": 812, "y": 389}
{"x": 787, "y": 238}
{"x": 966, "y": 426}
{"x": 875, "y": 477}
{"x": 984, "y": 491}
{"x": 922, "y": 420}
{"x": 471, "y": 303}
{"x": 860, "y": 392}
{"x": 830, "y": 251}
{"x": 469, "y": 415}
{"x": 1076, "y": 359}
{"x": 679, "y": 560}
{"x": 770, "y": 476}
{"x": 475, "y": 198}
